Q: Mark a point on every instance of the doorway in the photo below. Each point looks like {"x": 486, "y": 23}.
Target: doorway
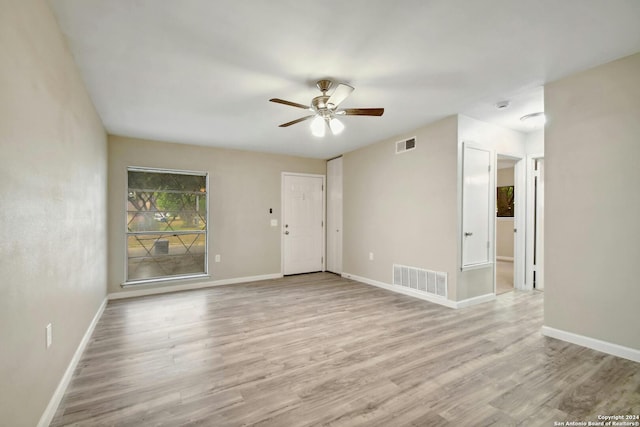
{"x": 505, "y": 224}
{"x": 302, "y": 223}
{"x": 510, "y": 223}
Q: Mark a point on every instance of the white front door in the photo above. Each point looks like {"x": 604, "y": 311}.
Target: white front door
{"x": 302, "y": 223}
{"x": 478, "y": 203}
{"x": 334, "y": 215}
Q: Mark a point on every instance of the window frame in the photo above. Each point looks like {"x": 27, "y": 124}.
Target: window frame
{"x": 127, "y": 233}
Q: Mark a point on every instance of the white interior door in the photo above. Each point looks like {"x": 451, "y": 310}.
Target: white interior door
{"x": 302, "y": 223}
{"x": 539, "y": 253}
{"x": 334, "y": 215}
{"x": 478, "y": 203}
{"x": 519, "y": 225}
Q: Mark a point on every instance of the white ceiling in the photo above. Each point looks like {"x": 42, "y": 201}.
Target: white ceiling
{"x": 202, "y": 71}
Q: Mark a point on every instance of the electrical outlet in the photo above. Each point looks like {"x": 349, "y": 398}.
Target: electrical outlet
{"x": 370, "y": 256}
{"x": 218, "y": 258}
{"x": 49, "y": 335}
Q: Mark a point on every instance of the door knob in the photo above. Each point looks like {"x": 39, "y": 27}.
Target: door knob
{"x": 467, "y": 234}
{"x": 286, "y": 232}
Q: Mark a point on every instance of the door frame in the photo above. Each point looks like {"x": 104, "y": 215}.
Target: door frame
{"x": 531, "y": 159}
{"x": 329, "y": 255}
{"x": 492, "y": 203}
{"x": 324, "y": 215}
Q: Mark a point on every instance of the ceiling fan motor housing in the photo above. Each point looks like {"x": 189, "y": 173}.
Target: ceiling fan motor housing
{"x": 320, "y": 105}
{"x": 324, "y": 85}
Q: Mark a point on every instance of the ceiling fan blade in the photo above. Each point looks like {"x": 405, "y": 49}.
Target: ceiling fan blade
{"x": 362, "y": 111}
{"x": 292, "y": 104}
{"x": 302, "y": 119}
{"x": 340, "y": 94}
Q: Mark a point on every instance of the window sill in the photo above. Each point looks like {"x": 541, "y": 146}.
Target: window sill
{"x": 168, "y": 280}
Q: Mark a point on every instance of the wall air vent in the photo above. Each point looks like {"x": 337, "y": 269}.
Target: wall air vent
{"x": 419, "y": 280}
{"x": 405, "y": 145}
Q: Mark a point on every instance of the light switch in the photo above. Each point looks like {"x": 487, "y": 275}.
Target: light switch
{"x": 274, "y": 222}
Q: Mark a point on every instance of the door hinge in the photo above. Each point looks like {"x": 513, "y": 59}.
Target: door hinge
{"x": 321, "y": 223}
{"x": 487, "y": 244}
{"x": 321, "y": 260}
{"x": 489, "y": 168}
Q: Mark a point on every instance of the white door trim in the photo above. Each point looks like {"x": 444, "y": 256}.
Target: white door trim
{"x": 519, "y": 224}
{"x": 530, "y": 226}
{"x": 324, "y": 214}
{"x": 333, "y": 196}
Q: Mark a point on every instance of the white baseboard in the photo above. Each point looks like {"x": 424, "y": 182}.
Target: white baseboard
{"x": 504, "y": 258}
{"x": 54, "y": 402}
{"x": 189, "y": 286}
{"x": 434, "y": 299}
{"x": 475, "y": 300}
{"x": 592, "y": 343}
{"x": 397, "y": 289}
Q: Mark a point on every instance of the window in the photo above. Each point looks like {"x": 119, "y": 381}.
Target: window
{"x": 166, "y": 224}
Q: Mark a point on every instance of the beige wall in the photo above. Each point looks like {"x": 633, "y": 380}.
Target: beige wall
{"x": 505, "y": 177}
{"x": 402, "y": 207}
{"x": 534, "y": 142}
{"x": 243, "y": 187}
{"x": 53, "y": 216}
{"x": 504, "y": 237}
{"x": 592, "y": 234}
{"x": 405, "y": 208}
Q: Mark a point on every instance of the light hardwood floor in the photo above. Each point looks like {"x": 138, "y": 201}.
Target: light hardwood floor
{"x": 504, "y": 277}
{"x": 321, "y": 350}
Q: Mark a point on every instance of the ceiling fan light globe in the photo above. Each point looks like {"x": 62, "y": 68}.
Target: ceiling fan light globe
{"x": 336, "y": 126}
{"x": 317, "y": 127}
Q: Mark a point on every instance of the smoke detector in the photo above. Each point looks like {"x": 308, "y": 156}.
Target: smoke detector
{"x": 501, "y": 105}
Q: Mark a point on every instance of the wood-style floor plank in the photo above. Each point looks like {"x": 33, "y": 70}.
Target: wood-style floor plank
{"x": 318, "y": 349}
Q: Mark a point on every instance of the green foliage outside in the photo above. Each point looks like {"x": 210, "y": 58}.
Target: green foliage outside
{"x": 505, "y": 205}
{"x": 166, "y": 201}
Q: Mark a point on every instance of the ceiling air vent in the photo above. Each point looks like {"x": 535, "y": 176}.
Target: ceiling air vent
{"x": 405, "y": 145}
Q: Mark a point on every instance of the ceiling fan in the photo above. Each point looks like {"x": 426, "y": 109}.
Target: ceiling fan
{"x": 325, "y": 109}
